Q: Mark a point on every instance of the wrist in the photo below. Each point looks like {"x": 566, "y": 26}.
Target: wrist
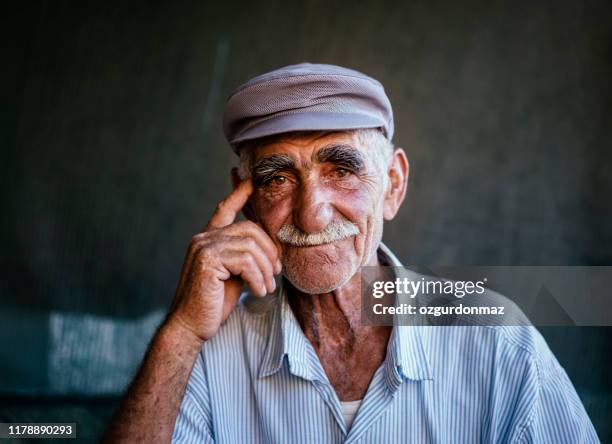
{"x": 176, "y": 334}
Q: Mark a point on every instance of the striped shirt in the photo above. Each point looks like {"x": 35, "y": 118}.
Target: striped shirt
{"x": 259, "y": 380}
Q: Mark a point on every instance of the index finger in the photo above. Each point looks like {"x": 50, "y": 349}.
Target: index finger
{"x": 228, "y": 208}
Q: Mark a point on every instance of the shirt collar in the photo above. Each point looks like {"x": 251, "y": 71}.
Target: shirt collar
{"x": 406, "y": 356}
{"x": 286, "y": 338}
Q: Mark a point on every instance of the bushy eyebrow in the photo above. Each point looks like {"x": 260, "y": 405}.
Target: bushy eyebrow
{"x": 265, "y": 169}
{"x": 343, "y": 155}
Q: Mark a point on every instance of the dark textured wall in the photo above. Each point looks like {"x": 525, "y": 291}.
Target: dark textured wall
{"x": 114, "y": 156}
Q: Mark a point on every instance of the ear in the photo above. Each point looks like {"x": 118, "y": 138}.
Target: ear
{"x": 397, "y": 183}
{"x": 247, "y": 210}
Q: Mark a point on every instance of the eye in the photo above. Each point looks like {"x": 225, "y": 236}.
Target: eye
{"x": 342, "y": 172}
{"x": 277, "y": 180}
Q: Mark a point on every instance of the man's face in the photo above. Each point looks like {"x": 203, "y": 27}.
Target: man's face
{"x": 320, "y": 197}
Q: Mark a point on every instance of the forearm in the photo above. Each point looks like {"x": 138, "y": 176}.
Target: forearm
{"x": 148, "y": 411}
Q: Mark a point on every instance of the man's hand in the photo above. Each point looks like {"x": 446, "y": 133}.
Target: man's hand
{"x": 218, "y": 262}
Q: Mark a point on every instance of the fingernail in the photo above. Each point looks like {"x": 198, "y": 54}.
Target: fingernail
{"x": 279, "y": 266}
{"x": 273, "y": 285}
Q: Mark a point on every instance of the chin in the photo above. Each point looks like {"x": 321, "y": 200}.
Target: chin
{"x": 319, "y": 269}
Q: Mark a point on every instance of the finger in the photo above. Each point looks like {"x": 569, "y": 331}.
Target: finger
{"x": 251, "y": 229}
{"x": 228, "y": 208}
{"x": 250, "y": 246}
{"x": 243, "y": 264}
{"x": 221, "y": 242}
{"x": 236, "y": 236}
{"x": 233, "y": 290}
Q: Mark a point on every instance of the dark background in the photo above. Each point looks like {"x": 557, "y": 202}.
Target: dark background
{"x": 113, "y": 157}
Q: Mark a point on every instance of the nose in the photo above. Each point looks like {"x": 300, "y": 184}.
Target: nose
{"x": 313, "y": 211}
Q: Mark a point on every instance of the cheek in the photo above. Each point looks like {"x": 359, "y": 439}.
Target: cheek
{"x": 363, "y": 206}
{"x": 359, "y": 204}
{"x": 272, "y": 210}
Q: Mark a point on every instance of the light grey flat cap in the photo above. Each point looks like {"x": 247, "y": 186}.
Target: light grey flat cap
{"x": 306, "y": 97}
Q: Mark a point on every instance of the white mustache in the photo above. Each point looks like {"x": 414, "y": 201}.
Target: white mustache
{"x": 336, "y": 230}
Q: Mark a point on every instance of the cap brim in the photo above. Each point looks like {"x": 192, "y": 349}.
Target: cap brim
{"x": 306, "y": 121}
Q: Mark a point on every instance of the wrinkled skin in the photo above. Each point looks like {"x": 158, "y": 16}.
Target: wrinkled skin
{"x": 311, "y": 196}
{"x": 325, "y": 279}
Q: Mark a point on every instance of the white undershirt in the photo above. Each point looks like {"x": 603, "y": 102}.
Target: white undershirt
{"x": 349, "y": 410}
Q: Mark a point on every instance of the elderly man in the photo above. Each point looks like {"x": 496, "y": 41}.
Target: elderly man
{"x": 292, "y": 362}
